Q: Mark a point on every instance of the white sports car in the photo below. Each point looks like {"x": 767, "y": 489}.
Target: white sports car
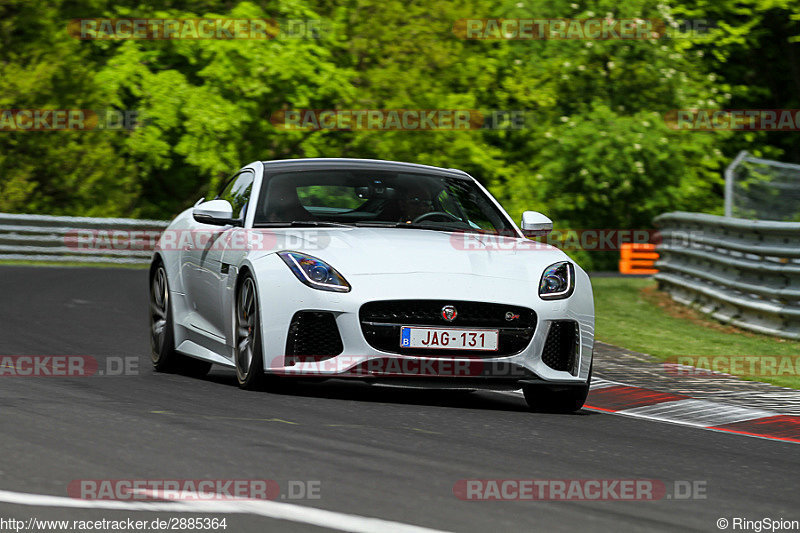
{"x": 372, "y": 270}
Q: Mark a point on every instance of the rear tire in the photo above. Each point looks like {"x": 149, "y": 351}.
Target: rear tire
{"x": 557, "y": 398}
{"x": 162, "y": 333}
{"x": 248, "y": 351}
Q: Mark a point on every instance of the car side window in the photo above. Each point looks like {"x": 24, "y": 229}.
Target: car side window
{"x": 237, "y": 192}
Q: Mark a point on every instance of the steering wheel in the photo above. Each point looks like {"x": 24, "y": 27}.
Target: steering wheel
{"x": 434, "y": 214}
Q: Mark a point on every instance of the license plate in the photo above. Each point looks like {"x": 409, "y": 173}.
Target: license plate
{"x": 449, "y": 339}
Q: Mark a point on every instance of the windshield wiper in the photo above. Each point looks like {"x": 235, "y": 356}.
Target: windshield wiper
{"x": 411, "y": 225}
{"x": 380, "y": 224}
{"x": 318, "y": 223}
{"x": 373, "y": 224}
{"x": 303, "y": 224}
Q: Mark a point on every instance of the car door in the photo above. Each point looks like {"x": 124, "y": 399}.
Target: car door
{"x": 211, "y": 273}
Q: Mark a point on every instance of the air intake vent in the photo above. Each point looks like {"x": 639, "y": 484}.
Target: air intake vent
{"x": 313, "y": 336}
{"x": 561, "y": 347}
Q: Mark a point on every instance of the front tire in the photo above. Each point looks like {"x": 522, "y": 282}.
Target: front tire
{"x": 162, "y": 332}
{"x": 249, "y": 356}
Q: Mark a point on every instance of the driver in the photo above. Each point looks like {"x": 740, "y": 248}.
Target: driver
{"x": 416, "y": 201}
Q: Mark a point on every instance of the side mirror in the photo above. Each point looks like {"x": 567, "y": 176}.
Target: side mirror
{"x": 214, "y": 212}
{"x": 535, "y": 224}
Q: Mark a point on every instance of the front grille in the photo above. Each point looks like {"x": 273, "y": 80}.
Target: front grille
{"x": 313, "y": 336}
{"x": 381, "y": 322}
{"x": 561, "y": 347}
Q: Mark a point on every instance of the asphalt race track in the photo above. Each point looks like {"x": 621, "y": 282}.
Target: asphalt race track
{"x": 376, "y": 452}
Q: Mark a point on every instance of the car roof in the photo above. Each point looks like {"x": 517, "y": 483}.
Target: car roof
{"x": 343, "y": 162}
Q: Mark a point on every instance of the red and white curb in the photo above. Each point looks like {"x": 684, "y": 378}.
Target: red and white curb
{"x": 620, "y": 399}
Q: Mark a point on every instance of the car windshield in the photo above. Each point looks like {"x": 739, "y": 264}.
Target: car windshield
{"x": 377, "y": 198}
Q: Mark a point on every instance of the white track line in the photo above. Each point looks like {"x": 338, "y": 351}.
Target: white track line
{"x": 267, "y": 508}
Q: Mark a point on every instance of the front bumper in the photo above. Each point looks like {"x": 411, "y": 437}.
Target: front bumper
{"x": 282, "y": 296}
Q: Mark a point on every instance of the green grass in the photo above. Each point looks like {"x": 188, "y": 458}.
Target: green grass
{"x": 631, "y": 314}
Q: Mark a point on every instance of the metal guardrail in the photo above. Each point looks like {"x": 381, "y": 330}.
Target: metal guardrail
{"x": 743, "y": 272}
{"x": 77, "y": 239}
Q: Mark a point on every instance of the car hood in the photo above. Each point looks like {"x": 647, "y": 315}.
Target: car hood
{"x": 365, "y": 251}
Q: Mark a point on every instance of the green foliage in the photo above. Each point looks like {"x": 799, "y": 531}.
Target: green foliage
{"x": 596, "y": 151}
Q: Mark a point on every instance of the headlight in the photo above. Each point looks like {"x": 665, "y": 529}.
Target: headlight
{"x": 314, "y": 272}
{"x": 558, "y": 281}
